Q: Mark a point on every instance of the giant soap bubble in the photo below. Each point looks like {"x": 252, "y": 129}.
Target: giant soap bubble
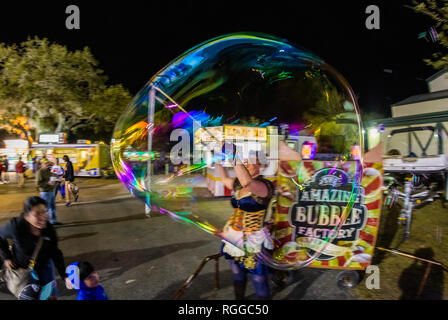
{"x": 257, "y": 91}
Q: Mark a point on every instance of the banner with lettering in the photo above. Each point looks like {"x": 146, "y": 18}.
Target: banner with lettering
{"x": 312, "y": 198}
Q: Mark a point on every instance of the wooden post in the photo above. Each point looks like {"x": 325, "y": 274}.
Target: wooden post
{"x": 425, "y": 278}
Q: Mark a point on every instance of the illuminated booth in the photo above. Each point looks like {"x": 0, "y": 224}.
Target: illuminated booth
{"x": 14, "y": 150}
{"x": 89, "y": 159}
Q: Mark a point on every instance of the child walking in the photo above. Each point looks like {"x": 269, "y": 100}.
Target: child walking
{"x": 90, "y": 287}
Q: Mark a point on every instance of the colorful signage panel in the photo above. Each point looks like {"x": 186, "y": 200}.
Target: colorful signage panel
{"x": 323, "y": 212}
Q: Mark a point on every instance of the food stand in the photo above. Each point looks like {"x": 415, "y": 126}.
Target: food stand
{"x": 14, "y": 150}
{"x": 88, "y": 159}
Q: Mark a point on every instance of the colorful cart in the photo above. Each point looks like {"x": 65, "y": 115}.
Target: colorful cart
{"x": 312, "y": 197}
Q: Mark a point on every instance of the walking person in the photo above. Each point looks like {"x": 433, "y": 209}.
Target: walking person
{"x": 90, "y": 287}
{"x": 26, "y": 232}
{"x": 6, "y": 167}
{"x": 59, "y": 172}
{"x": 1, "y": 171}
{"x": 36, "y": 165}
{"x": 20, "y": 171}
{"x": 46, "y": 183}
{"x": 39, "y": 162}
{"x": 69, "y": 178}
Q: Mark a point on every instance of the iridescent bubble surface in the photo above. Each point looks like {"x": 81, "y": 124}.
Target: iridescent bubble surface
{"x": 254, "y": 90}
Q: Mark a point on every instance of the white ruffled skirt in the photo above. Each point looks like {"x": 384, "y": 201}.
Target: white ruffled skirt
{"x": 234, "y": 243}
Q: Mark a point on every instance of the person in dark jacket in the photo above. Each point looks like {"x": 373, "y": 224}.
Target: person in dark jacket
{"x": 69, "y": 177}
{"x": 6, "y": 168}
{"x": 24, "y": 232}
{"x": 46, "y": 184}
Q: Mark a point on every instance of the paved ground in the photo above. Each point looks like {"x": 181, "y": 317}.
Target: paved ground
{"x": 150, "y": 258}
{"x": 11, "y": 196}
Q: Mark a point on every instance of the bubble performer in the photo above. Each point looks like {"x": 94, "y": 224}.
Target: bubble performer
{"x": 251, "y": 196}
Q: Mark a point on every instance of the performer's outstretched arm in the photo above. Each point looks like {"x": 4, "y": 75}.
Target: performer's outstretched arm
{"x": 228, "y": 182}
{"x": 256, "y": 187}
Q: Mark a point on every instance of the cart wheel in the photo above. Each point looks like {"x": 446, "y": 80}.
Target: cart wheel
{"x": 283, "y": 278}
{"x": 443, "y": 200}
{"x": 348, "y": 279}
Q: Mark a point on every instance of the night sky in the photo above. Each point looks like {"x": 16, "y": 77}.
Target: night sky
{"x": 134, "y": 39}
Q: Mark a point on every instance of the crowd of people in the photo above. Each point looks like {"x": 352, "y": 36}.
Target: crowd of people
{"x": 29, "y": 250}
{"x": 53, "y": 177}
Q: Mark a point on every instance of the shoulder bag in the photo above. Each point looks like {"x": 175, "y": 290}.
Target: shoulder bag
{"x": 17, "y": 279}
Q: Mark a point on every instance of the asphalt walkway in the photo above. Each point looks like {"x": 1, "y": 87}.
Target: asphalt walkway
{"x": 143, "y": 258}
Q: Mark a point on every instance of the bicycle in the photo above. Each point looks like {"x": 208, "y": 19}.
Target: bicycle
{"x": 407, "y": 199}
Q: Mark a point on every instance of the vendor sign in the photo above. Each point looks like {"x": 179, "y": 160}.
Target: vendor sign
{"x": 323, "y": 212}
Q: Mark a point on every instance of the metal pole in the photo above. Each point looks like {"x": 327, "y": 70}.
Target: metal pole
{"x": 217, "y": 273}
{"x": 446, "y": 186}
{"x": 151, "y": 105}
{"x": 445, "y": 268}
{"x": 190, "y": 279}
{"x": 409, "y": 142}
{"x": 408, "y": 205}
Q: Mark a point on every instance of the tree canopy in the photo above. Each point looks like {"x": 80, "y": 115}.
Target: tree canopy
{"x": 58, "y": 90}
{"x": 437, "y": 10}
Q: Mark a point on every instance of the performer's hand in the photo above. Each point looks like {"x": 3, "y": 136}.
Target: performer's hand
{"x": 228, "y": 151}
{"x": 285, "y": 153}
{"x": 68, "y": 283}
{"x": 9, "y": 264}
